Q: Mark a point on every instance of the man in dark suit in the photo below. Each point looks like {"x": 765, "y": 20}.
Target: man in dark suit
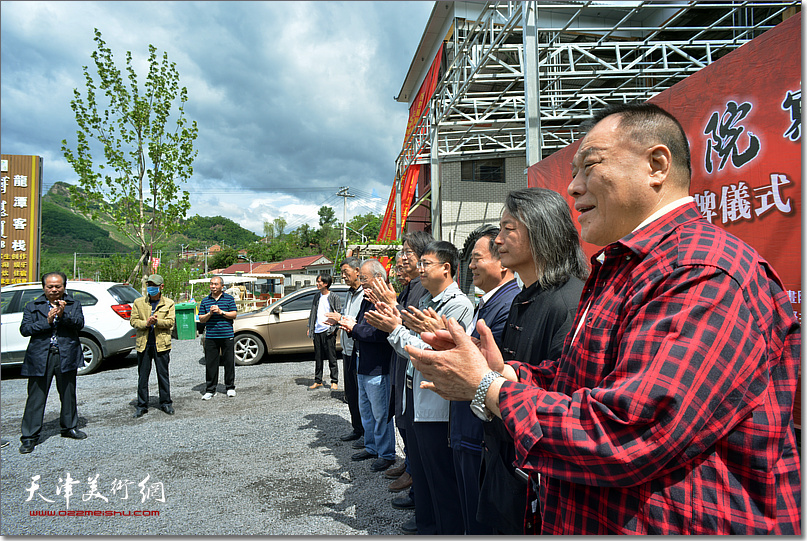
{"x": 52, "y": 321}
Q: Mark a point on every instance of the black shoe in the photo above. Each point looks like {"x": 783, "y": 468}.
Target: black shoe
{"x": 74, "y": 433}
{"x": 167, "y": 408}
{"x": 350, "y": 436}
{"x": 4, "y": 443}
{"x": 27, "y": 446}
{"x": 140, "y": 412}
{"x": 403, "y": 502}
{"x": 363, "y": 455}
{"x": 410, "y": 527}
{"x": 358, "y": 444}
{"x": 381, "y": 464}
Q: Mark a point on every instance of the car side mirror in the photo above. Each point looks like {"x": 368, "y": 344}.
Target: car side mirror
{"x": 277, "y": 310}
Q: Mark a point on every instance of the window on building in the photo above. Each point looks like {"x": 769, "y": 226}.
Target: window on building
{"x": 491, "y": 170}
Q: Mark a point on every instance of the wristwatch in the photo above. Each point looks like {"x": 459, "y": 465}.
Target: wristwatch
{"x": 478, "y": 403}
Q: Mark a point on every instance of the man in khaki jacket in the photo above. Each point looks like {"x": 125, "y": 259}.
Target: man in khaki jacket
{"x": 153, "y": 316}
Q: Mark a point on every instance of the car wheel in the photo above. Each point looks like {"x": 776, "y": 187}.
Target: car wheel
{"x": 248, "y": 349}
{"x": 92, "y": 355}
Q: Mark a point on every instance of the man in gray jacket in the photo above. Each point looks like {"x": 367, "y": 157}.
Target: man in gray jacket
{"x": 350, "y": 275}
{"x": 323, "y": 331}
{"x": 437, "y": 507}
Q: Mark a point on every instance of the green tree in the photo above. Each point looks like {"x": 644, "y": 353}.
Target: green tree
{"x": 327, "y": 216}
{"x": 279, "y": 224}
{"x": 144, "y": 161}
{"x": 368, "y": 224}
{"x": 268, "y": 231}
{"x": 223, "y": 259}
{"x": 328, "y": 235}
{"x": 305, "y": 236}
{"x": 113, "y": 268}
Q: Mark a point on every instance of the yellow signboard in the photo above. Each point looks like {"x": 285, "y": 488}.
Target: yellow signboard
{"x": 20, "y": 218}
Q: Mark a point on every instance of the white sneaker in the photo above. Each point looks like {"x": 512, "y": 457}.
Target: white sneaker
{"x": 208, "y": 396}
{"x": 231, "y": 393}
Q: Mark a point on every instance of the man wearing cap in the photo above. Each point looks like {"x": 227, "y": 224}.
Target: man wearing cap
{"x": 153, "y": 316}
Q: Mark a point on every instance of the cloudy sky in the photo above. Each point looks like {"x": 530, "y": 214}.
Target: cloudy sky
{"x": 292, "y": 99}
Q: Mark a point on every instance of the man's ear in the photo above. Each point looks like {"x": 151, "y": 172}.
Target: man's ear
{"x": 659, "y": 161}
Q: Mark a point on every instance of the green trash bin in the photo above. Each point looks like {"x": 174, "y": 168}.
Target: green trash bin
{"x": 186, "y": 320}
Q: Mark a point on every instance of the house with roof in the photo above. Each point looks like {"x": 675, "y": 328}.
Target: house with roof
{"x": 298, "y": 272}
{"x": 301, "y": 271}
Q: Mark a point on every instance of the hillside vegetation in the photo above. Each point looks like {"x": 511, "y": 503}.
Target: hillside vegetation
{"x": 65, "y": 231}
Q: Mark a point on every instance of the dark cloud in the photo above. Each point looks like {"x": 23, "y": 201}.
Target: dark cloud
{"x": 287, "y": 95}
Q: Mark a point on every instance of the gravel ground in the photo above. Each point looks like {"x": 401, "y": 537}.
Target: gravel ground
{"x": 267, "y": 462}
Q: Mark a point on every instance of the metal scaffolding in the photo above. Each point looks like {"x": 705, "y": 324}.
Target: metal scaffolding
{"x": 578, "y": 56}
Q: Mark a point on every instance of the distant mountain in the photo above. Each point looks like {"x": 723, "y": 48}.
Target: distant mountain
{"x": 66, "y": 231}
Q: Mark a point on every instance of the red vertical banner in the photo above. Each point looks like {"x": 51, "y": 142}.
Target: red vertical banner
{"x": 387, "y": 231}
{"x": 408, "y": 192}
{"x": 416, "y": 110}
{"x": 424, "y": 94}
{"x": 742, "y": 116}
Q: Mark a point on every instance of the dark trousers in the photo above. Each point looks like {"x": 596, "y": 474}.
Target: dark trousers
{"x": 219, "y": 351}
{"x": 352, "y": 390}
{"x": 403, "y": 432}
{"x": 38, "y": 389}
{"x": 466, "y": 468}
{"x": 161, "y": 360}
{"x": 325, "y": 344}
{"x": 437, "y": 507}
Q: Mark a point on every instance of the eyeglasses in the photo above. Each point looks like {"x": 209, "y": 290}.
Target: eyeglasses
{"x": 408, "y": 253}
{"x": 423, "y": 264}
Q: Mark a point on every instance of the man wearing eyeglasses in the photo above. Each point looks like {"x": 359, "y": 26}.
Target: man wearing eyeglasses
{"x": 437, "y": 507}
{"x": 414, "y": 244}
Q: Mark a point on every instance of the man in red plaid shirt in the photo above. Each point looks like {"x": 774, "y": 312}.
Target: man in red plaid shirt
{"x": 670, "y": 410}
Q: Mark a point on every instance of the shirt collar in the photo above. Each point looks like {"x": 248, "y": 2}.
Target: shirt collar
{"x": 664, "y": 210}
{"x": 447, "y": 291}
{"x": 650, "y": 232}
{"x": 489, "y": 295}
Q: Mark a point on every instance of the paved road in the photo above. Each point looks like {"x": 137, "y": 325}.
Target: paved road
{"x": 267, "y": 462}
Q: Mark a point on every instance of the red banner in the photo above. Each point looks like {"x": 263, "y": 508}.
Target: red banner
{"x": 742, "y": 116}
{"x": 408, "y": 191}
{"x": 424, "y": 94}
{"x": 387, "y": 231}
{"x": 409, "y": 182}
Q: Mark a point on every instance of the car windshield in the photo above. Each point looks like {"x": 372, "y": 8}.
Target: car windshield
{"x": 124, "y": 294}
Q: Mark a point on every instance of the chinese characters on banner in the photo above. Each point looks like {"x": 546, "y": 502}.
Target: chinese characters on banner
{"x": 742, "y": 116}
{"x": 20, "y": 218}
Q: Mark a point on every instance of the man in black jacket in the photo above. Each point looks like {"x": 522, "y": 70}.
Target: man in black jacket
{"x": 52, "y": 321}
{"x": 539, "y": 242}
{"x": 414, "y": 244}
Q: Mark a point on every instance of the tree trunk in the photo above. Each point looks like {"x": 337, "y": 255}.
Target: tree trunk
{"x": 139, "y": 265}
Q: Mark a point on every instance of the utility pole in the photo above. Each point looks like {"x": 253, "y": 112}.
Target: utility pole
{"x": 343, "y": 192}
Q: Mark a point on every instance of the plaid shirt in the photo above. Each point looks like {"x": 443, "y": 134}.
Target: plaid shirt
{"x": 671, "y": 411}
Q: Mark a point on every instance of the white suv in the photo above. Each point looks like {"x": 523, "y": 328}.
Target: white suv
{"x": 107, "y": 307}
